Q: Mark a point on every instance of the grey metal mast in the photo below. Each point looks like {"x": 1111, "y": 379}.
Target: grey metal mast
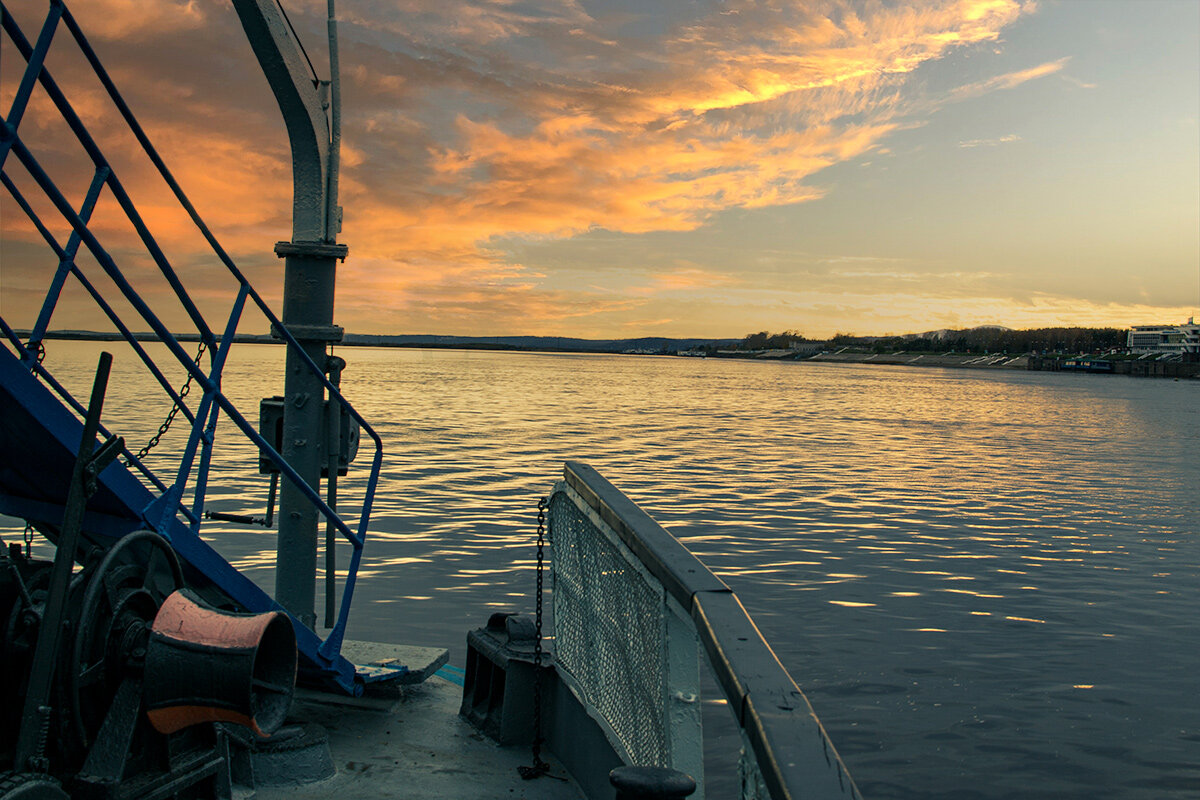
{"x": 308, "y": 286}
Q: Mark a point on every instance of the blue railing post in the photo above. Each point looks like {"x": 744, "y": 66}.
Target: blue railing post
{"x": 67, "y": 259}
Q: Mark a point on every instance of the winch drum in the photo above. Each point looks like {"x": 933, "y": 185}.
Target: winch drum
{"x": 208, "y": 665}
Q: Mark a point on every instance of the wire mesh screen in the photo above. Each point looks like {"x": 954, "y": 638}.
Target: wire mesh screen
{"x": 609, "y": 628}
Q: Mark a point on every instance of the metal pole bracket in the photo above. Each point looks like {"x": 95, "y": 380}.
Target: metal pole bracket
{"x": 312, "y": 250}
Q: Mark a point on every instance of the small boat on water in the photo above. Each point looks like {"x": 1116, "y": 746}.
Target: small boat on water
{"x": 139, "y": 663}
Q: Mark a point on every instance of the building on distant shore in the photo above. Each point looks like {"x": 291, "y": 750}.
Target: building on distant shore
{"x": 808, "y": 348}
{"x": 1183, "y": 338}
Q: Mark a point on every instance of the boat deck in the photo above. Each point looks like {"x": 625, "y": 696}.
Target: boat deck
{"x": 413, "y": 744}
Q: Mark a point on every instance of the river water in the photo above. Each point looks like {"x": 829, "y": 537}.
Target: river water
{"x": 987, "y": 583}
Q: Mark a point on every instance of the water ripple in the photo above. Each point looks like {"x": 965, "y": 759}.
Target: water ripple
{"x": 986, "y": 583}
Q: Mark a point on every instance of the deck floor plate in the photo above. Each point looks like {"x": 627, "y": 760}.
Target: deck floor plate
{"x": 421, "y": 662}
{"x": 416, "y": 747}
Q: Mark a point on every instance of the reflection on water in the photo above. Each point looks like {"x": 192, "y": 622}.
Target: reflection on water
{"x": 986, "y": 583}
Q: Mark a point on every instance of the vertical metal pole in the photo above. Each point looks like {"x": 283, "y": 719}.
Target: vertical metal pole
{"x": 269, "y": 521}
{"x": 308, "y": 292}
{"x": 333, "y": 448}
{"x": 333, "y": 213}
{"x": 308, "y": 285}
{"x": 35, "y": 715}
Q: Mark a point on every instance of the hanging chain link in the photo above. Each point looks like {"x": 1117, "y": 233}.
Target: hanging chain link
{"x": 38, "y": 349}
{"x": 28, "y": 540}
{"x": 166, "y": 425}
{"x": 539, "y": 766}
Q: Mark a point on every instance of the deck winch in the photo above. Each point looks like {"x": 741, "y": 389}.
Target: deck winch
{"x": 206, "y": 665}
{"x": 142, "y": 672}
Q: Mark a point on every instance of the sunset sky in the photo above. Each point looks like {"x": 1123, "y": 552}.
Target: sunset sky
{"x": 613, "y": 168}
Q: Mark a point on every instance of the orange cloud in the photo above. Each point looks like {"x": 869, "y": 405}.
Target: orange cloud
{"x": 481, "y": 120}
{"x": 133, "y": 21}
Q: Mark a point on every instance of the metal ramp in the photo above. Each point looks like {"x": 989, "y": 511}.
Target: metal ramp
{"x": 41, "y": 423}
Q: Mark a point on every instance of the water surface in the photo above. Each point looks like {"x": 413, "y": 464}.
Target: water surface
{"x": 985, "y": 582}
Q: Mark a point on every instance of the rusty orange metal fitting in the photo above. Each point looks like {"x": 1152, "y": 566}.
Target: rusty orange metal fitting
{"x": 208, "y": 665}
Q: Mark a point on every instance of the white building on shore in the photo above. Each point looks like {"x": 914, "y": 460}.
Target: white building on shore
{"x": 1183, "y": 338}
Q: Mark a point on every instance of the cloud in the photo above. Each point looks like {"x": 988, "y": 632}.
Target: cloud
{"x": 1008, "y": 80}
{"x": 690, "y": 278}
{"x": 472, "y": 122}
{"x": 134, "y": 21}
{"x": 681, "y": 279}
{"x": 1006, "y": 139}
{"x": 1077, "y": 82}
{"x": 669, "y": 130}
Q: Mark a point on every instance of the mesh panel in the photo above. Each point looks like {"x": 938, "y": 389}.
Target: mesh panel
{"x": 608, "y": 624}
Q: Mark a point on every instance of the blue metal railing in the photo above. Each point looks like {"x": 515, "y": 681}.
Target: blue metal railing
{"x": 194, "y": 461}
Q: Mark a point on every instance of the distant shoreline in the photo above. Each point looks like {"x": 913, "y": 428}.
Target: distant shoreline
{"x": 1132, "y": 366}
{"x": 647, "y": 345}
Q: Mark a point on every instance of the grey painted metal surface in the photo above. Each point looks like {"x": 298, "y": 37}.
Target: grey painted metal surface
{"x": 308, "y": 294}
{"x": 414, "y": 745}
{"x": 297, "y": 93}
{"x": 501, "y": 685}
{"x": 790, "y": 747}
{"x": 333, "y": 212}
{"x": 419, "y": 663}
{"x": 308, "y": 290}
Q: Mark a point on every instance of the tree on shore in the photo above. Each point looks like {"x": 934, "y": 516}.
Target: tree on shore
{"x": 764, "y": 340}
{"x": 971, "y": 340}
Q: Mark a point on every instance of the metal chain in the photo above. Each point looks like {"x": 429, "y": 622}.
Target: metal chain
{"x": 166, "y": 425}
{"x": 28, "y": 540}
{"x": 38, "y": 349}
{"x": 539, "y": 766}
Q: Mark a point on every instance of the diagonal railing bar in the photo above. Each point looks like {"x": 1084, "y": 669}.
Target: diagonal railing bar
{"x": 106, "y": 262}
{"x": 48, "y": 378}
{"x": 37, "y": 61}
{"x": 114, "y": 184}
{"x": 67, "y": 259}
{"x": 100, "y": 301}
{"x": 151, "y": 153}
{"x": 204, "y": 380}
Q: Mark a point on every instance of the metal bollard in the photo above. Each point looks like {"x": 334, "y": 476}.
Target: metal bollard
{"x": 651, "y": 783}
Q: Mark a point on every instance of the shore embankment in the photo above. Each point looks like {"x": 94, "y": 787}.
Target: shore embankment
{"x": 1138, "y": 367}
{"x": 953, "y": 360}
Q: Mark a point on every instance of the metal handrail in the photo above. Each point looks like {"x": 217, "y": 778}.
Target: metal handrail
{"x": 75, "y": 405}
{"x": 791, "y": 748}
{"x": 213, "y": 399}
